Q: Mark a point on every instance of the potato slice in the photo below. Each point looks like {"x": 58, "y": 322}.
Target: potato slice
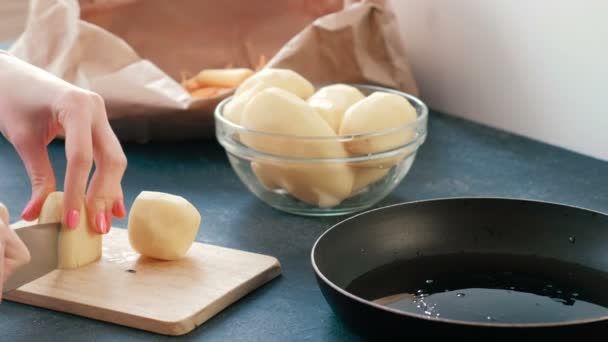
{"x": 278, "y": 111}
{"x": 331, "y": 102}
{"x": 378, "y": 112}
{"x": 78, "y": 247}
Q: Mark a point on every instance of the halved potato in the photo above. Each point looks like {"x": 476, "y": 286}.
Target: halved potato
{"x": 331, "y": 102}
{"x": 278, "y": 111}
{"x": 378, "y": 112}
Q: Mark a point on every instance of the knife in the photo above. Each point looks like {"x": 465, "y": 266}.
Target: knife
{"x": 41, "y": 241}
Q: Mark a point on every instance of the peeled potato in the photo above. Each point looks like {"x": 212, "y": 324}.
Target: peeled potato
{"x": 377, "y": 112}
{"x": 268, "y": 78}
{"x": 275, "y": 110}
{"x": 367, "y": 176}
{"x": 278, "y": 111}
{"x": 313, "y": 184}
{"x": 162, "y": 226}
{"x": 76, "y": 247}
{"x": 264, "y": 171}
{"x": 332, "y": 101}
{"x": 281, "y": 78}
{"x": 234, "y": 108}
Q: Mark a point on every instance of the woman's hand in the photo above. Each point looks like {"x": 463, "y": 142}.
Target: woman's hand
{"x": 36, "y": 106}
{"x": 13, "y": 253}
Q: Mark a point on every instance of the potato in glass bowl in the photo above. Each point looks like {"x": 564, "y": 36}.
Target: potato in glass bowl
{"x": 327, "y": 150}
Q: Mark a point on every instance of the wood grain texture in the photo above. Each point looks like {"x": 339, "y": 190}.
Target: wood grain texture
{"x": 165, "y": 297}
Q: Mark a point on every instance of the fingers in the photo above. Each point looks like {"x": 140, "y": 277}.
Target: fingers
{"x": 16, "y": 254}
{"x": 35, "y": 157}
{"x": 4, "y": 215}
{"x": 13, "y": 252}
{"x": 104, "y": 195}
{"x": 104, "y": 201}
{"x": 76, "y": 121}
{"x": 89, "y": 138}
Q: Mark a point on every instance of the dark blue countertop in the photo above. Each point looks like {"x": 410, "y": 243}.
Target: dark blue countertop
{"x": 458, "y": 159}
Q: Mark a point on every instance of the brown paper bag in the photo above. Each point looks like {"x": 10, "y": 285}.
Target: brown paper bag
{"x": 134, "y": 52}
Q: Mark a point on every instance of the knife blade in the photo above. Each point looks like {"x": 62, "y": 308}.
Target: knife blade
{"x": 41, "y": 240}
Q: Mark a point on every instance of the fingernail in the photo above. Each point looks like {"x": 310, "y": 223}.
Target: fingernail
{"x": 119, "y": 209}
{"x": 101, "y": 223}
{"x": 73, "y": 219}
{"x": 26, "y": 210}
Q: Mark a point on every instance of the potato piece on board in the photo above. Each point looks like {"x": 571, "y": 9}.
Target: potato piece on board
{"x": 78, "y": 247}
{"x": 162, "y": 226}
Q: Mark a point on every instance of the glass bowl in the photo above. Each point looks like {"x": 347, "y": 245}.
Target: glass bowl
{"x": 326, "y": 184}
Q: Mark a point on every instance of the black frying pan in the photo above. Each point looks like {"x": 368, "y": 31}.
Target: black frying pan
{"x": 471, "y": 267}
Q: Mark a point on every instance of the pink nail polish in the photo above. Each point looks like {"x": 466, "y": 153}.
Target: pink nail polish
{"x": 101, "y": 223}
{"x": 122, "y": 212}
{"x": 73, "y": 219}
{"x": 27, "y": 211}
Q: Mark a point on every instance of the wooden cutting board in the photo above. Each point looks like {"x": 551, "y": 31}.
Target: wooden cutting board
{"x": 165, "y": 297}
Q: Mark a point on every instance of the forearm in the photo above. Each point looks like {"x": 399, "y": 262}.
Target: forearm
{"x": 18, "y": 89}
{"x": 25, "y": 87}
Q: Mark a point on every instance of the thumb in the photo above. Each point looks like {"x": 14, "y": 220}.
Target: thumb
{"x": 36, "y": 160}
{"x": 4, "y": 216}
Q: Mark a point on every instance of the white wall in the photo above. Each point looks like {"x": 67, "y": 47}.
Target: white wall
{"x": 538, "y": 68}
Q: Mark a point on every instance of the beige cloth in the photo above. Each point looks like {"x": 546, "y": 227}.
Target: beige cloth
{"x": 134, "y": 52}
